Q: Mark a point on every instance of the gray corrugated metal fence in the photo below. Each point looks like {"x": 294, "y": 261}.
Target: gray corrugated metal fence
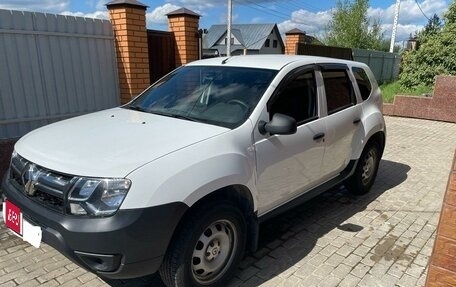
{"x": 384, "y": 65}
{"x": 53, "y": 67}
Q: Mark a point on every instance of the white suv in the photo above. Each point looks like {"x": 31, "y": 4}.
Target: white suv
{"x": 178, "y": 180}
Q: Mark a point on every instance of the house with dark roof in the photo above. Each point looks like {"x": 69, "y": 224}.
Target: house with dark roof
{"x": 245, "y": 39}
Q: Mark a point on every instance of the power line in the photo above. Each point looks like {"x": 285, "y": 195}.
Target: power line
{"x": 264, "y": 10}
{"x": 422, "y": 12}
{"x": 296, "y": 5}
{"x": 308, "y": 6}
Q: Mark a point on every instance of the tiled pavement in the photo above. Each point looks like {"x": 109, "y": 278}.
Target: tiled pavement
{"x": 384, "y": 238}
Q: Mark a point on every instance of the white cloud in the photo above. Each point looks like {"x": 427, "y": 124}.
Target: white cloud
{"x": 306, "y": 21}
{"x": 198, "y": 5}
{"x": 411, "y": 19}
{"x": 409, "y": 11}
{"x": 101, "y": 4}
{"x": 96, "y": 14}
{"x": 158, "y": 15}
{"x": 403, "y": 31}
{"x": 35, "y": 5}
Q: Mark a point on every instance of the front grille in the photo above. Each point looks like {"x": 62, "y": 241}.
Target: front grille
{"x": 43, "y": 186}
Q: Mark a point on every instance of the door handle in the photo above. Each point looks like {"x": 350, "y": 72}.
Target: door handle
{"x": 356, "y": 121}
{"x": 318, "y": 136}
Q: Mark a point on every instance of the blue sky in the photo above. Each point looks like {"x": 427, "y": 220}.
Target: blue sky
{"x": 307, "y": 15}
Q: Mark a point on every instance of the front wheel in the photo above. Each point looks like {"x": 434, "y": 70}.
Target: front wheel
{"x": 206, "y": 249}
{"x": 366, "y": 170}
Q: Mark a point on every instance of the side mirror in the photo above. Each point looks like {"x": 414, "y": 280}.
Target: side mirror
{"x": 279, "y": 125}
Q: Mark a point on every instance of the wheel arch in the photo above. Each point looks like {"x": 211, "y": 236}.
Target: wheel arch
{"x": 236, "y": 194}
{"x": 380, "y": 138}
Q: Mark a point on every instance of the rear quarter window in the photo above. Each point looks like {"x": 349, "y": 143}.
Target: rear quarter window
{"x": 364, "y": 84}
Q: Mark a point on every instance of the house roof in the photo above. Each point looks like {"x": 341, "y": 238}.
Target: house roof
{"x": 252, "y": 36}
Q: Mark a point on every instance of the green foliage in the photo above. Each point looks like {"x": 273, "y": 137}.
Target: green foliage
{"x": 450, "y": 15}
{"x": 351, "y": 28}
{"x": 389, "y": 90}
{"x": 436, "y": 54}
{"x": 433, "y": 26}
{"x": 385, "y": 46}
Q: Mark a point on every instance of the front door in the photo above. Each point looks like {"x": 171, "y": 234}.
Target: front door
{"x": 288, "y": 165}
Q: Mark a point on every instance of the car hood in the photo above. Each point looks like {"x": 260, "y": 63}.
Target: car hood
{"x": 110, "y": 143}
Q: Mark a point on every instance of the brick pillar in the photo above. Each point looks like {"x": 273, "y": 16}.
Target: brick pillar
{"x": 442, "y": 265}
{"x": 184, "y": 24}
{"x": 294, "y": 37}
{"x": 128, "y": 18}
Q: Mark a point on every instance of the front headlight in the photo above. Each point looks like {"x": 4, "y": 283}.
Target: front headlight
{"x": 97, "y": 197}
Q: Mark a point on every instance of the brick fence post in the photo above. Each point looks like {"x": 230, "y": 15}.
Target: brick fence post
{"x": 128, "y": 18}
{"x": 293, "y": 37}
{"x": 184, "y": 23}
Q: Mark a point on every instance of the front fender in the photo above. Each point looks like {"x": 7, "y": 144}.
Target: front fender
{"x": 190, "y": 174}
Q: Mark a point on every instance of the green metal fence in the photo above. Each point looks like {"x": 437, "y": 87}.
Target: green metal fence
{"x": 385, "y": 66}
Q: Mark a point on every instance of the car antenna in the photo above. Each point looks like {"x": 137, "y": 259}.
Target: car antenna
{"x": 226, "y": 60}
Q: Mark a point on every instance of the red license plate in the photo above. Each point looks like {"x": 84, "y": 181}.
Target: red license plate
{"x": 13, "y": 217}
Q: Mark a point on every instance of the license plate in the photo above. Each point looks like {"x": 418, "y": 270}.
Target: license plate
{"x": 13, "y": 217}
{"x": 14, "y": 220}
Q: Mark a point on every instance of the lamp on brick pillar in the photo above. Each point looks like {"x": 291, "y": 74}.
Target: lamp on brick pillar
{"x": 294, "y": 37}
{"x": 184, "y": 24}
{"x": 128, "y": 18}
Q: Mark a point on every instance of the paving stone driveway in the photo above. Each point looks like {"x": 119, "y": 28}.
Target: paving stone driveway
{"x": 384, "y": 238}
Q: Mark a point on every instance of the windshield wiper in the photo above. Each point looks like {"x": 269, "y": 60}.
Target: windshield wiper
{"x": 176, "y": 116}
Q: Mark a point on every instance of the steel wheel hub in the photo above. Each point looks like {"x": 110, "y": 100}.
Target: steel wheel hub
{"x": 368, "y": 166}
{"x": 214, "y": 251}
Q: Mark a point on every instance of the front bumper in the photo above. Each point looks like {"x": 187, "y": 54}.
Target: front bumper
{"x": 129, "y": 244}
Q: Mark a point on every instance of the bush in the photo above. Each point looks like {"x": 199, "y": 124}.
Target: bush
{"x": 435, "y": 56}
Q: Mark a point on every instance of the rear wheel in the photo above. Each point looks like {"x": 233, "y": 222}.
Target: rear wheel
{"x": 206, "y": 249}
{"x": 366, "y": 170}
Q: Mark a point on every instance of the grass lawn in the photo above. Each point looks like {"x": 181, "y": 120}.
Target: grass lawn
{"x": 389, "y": 90}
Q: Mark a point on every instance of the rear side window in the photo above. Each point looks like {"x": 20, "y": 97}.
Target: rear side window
{"x": 339, "y": 90}
{"x": 363, "y": 82}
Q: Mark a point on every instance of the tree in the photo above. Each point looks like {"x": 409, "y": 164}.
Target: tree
{"x": 435, "y": 56}
{"x": 433, "y": 26}
{"x": 351, "y": 27}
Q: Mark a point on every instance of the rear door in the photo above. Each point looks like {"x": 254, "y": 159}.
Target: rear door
{"x": 343, "y": 118}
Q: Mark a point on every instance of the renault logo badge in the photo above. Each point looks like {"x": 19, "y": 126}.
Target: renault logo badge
{"x": 31, "y": 178}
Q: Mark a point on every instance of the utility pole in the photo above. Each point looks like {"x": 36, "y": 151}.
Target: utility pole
{"x": 396, "y": 19}
{"x": 228, "y": 30}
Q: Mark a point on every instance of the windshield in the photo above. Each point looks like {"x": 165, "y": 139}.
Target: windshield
{"x": 223, "y": 96}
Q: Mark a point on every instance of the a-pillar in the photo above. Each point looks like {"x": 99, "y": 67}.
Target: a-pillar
{"x": 184, "y": 23}
{"x": 293, "y": 37}
{"x": 128, "y": 18}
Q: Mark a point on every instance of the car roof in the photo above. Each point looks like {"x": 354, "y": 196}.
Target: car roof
{"x": 273, "y": 62}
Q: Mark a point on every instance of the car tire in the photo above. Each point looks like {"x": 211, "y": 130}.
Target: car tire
{"x": 207, "y": 247}
{"x": 366, "y": 170}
